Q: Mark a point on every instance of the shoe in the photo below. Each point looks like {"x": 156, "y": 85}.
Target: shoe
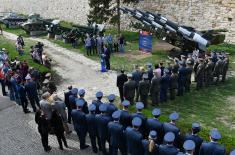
{"x": 26, "y": 112}
{"x": 48, "y": 149}
{"x": 95, "y": 151}
{"x": 61, "y": 148}
{"x": 66, "y": 145}
{"x": 84, "y": 147}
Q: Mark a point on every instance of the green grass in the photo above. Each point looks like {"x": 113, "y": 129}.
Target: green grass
{"x": 229, "y": 48}
{"x": 16, "y": 31}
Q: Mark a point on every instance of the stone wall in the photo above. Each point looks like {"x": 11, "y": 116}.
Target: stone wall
{"x": 201, "y": 14}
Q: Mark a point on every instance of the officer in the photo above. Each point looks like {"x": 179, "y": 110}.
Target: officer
{"x": 73, "y": 97}
{"x": 23, "y": 98}
{"x": 171, "y": 127}
{"x": 116, "y": 131}
{"x": 121, "y": 79}
{"x": 144, "y": 89}
{"x": 139, "y": 107}
{"x": 134, "y": 138}
{"x": 233, "y": 152}
{"x": 209, "y": 72}
{"x": 164, "y": 86}
{"x": 98, "y": 102}
{"x": 137, "y": 76}
{"x": 102, "y": 121}
{"x": 181, "y": 78}
{"x": 217, "y": 69}
{"x": 111, "y": 107}
{"x": 189, "y": 70}
{"x": 129, "y": 89}
{"x": 81, "y": 94}
{"x": 150, "y": 71}
{"x": 66, "y": 101}
{"x": 168, "y": 148}
{"x": 173, "y": 84}
{"x": 125, "y": 118}
{"x": 189, "y": 147}
{"x": 150, "y": 146}
{"x": 225, "y": 68}
{"x": 92, "y": 128}
{"x": 155, "y": 88}
{"x": 212, "y": 147}
{"x": 153, "y": 124}
{"x": 194, "y": 137}
{"x": 80, "y": 124}
{"x": 200, "y": 74}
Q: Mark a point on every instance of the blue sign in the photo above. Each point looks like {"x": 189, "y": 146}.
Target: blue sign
{"x": 145, "y": 41}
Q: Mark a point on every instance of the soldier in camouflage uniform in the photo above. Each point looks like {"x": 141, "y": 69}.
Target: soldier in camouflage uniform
{"x": 189, "y": 70}
{"x": 217, "y": 69}
{"x": 209, "y": 72}
{"x": 225, "y": 68}
{"x": 200, "y": 74}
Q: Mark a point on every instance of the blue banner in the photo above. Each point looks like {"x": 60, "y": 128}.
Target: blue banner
{"x": 145, "y": 41}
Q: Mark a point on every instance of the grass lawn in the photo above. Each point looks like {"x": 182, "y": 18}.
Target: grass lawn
{"x": 213, "y": 107}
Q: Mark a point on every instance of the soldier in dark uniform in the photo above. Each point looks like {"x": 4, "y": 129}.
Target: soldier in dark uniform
{"x": 212, "y": 147}
{"x": 150, "y": 71}
{"x": 129, "y": 89}
{"x": 116, "y": 131}
{"x": 153, "y": 124}
{"x": 136, "y": 76}
{"x": 125, "y": 118}
{"x": 92, "y": 128}
{"x": 66, "y": 101}
{"x": 164, "y": 86}
{"x": 189, "y": 147}
{"x": 150, "y": 146}
{"x": 139, "y": 107}
{"x": 98, "y": 102}
{"x": 73, "y": 97}
{"x": 209, "y": 72}
{"x": 189, "y": 70}
{"x": 194, "y": 137}
{"x": 110, "y": 106}
{"x": 155, "y": 88}
{"x": 80, "y": 124}
{"x": 168, "y": 148}
{"x": 81, "y": 94}
{"x": 217, "y": 69}
{"x": 171, "y": 127}
{"x": 200, "y": 74}
{"x": 134, "y": 138}
{"x": 225, "y": 68}
{"x": 121, "y": 79}
{"x": 173, "y": 84}
{"x": 144, "y": 89}
{"x": 102, "y": 121}
{"x": 181, "y": 78}
{"x": 161, "y": 66}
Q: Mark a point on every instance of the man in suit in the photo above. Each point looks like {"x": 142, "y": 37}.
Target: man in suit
{"x": 81, "y": 94}
{"x": 129, "y": 89}
{"x": 137, "y": 76}
{"x": 66, "y": 101}
{"x": 168, "y": 148}
{"x": 121, "y": 79}
{"x": 155, "y": 88}
{"x": 46, "y": 106}
{"x": 143, "y": 89}
{"x": 164, "y": 86}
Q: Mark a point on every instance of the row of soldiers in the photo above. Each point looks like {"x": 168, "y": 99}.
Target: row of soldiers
{"x": 175, "y": 78}
{"x": 134, "y": 133}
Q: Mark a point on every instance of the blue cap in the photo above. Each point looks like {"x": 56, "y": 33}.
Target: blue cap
{"x": 196, "y": 126}
{"x": 136, "y": 121}
{"x": 153, "y": 134}
{"x": 139, "y": 105}
{"x": 111, "y": 97}
{"x": 81, "y": 92}
{"x": 189, "y": 145}
{"x": 74, "y": 91}
{"x": 103, "y": 107}
{"x": 156, "y": 112}
{"x": 116, "y": 114}
{"x": 233, "y": 152}
{"x": 99, "y": 94}
{"x": 174, "y": 116}
{"x": 80, "y": 102}
{"x": 169, "y": 137}
{"x": 125, "y": 103}
{"x": 92, "y": 107}
{"x": 215, "y": 134}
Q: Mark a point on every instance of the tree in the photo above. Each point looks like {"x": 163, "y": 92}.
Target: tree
{"x": 107, "y": 11}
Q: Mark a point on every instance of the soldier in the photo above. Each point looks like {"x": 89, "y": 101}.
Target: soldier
{"x": 168, "y": 148}
{"x": 66, "y": 101}
{"x": 225, "y": 67}
{"x": 111, "y": 107}
{"x": 164, "y": 86}
{"x": 134, "y": 138}
{"x": 171, "y": 127}
{"x": 155, "y": 88}
{"x": 129, "y": 89}
{"x": 144, "y": 89}
{"x": 102, "y": 121}
{"x": 181, "y": 78}
{"x": 80, "y": 124}
{"x": 73, "y": 97}
{"x": 92, "y": 128}
{"x": 81, "y": 94}
{"x": 189, "y": 70}
{"x": 153, "y": 124}
{"x": 217, "y": 69}
{"x": 212, "y": 147}
{"x": 173, "y": 84}
{"x": 116, "y": 131}
{"x": 200, "y": 74}
{"x": 98, "y": 102}
{"x": 150, "y": 71}
{"x": 194, "y": 137}
{"x": 121, "y": 79}
{"x": 150, "y": 146}
{"x": 209, "y": 72}
{"x": 125, "y": 118}
{"x": 137, "y": 76}
{"x": 189, "y": 147}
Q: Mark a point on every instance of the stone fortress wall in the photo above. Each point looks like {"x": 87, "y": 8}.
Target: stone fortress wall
{"x": 201, "y": 14}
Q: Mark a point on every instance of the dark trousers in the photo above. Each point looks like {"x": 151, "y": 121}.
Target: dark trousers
{"x": 60, "y": 137}
{"x": 82, "y": 138}
{"x": 88, "y": 50}
{"x": 155, "y": 98}
{"x": 93, "y": 142}
{"x": 34, "y": 100}
{"x": 121, "y": 93}
{"x": 94, "y": 50}
{"x": 137, "y": 94}
{"x": 163, "y": 95}
{"x": 224, "y": 76}
{"x": 3, "y": 84}
{"x": 172, "y": 93}
{"x": 115, "y": 47}
{"x": 180, "y": 89}
{"x": 24, "y": 104}
{"x": 103, "y": 148}
{"x": 199, "y": 83}
{"x": 69, "y": 114}
{"x": 187, "y": 85}
{"x": 143, "y": 98}
{"x": 115, "y": 150}
{"x": 130, "y": 99}
{"x": 44, "y": 139}
{"x": 107, "y": 62}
